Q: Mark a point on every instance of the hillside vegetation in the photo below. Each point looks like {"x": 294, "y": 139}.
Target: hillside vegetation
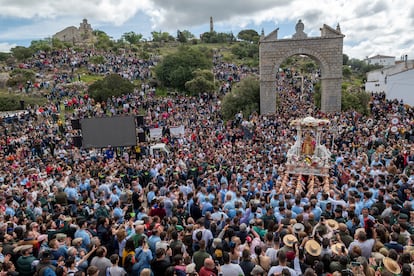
{"x": 181, "y": 62}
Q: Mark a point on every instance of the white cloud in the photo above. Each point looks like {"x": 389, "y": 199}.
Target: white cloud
{"x": 116, "y": 12}
{"x": 5, "y": 47}
{"x": 370, "y": 26}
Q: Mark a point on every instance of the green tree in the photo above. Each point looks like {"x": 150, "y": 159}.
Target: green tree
{"x": 177, "y": 68}
{"x": 187, "y": 34}
{"x": 103, "y": 41}
{"x": 309, "y": 67}
{"x": 245, "y": 49}
{"x": 214, "y": 37}
{"x": 57, "y": 44}
{"x": 132, "y": 37}
{"x": 181, "y": 37}
{"x": 248, "y": 35}
{"x": 161, "y": 36}
{"x": 357, "y": 101}
{"x": 360, "y": 68}
{"x": 21, "y": 53}
{"x": 111, "y": 85}
{"x": 4, "y": 56}
{"x": 244, "y": 97}
{"x": 10, "y": 102}
{"x": 203, "y": 81}
{"x": 345, "y": 59}
{"x": 20, "y": 76}
{"x": 346, "y": 71}
{"x": 41, "y": 45}
{"x": 317, "y": 96}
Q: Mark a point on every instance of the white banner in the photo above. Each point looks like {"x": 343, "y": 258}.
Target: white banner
{"x": 177, "y": 131}
{"x": 155, "y": 133}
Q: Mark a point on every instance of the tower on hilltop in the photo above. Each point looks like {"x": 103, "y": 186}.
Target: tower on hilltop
{"x": 211, "y": 24}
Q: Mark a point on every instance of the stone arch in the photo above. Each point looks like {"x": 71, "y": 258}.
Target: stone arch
{"x": 303, "y": 51}
{"x": 325, "y": 50}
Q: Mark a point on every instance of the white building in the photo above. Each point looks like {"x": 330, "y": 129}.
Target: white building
{"x": 381, "y": 60}
{"x": 397, "y": 82}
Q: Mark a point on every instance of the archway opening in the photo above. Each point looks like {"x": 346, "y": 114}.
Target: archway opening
{"x": 327, "y": 49}
{"x": 298, "y": 79}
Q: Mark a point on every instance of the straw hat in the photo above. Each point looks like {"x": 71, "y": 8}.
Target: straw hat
{"x": 76, "y": 241}
{"x": 337, "y": 248}
{"x": 298, "y": 227}
{"x": 391, "y": 265}
{"x": 22, "y": 248}
{"x": 289, "y": 240}
{"x": 377, "y": 256}
{"x": 332, "y": 223}
{"x": 313, "y": 248}
{"x": 61, "y": 236}
{"x": 257, "y": 270}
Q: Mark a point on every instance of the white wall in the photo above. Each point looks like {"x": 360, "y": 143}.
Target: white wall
{"x": 384, "y": 61}
{"x": 401, "y": 86}
{"x": 375, "y": 81}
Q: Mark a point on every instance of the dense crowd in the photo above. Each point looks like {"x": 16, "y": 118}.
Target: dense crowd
{"x": 217, "y": 204}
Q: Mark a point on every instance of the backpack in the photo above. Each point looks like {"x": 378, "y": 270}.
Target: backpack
{"x": 48, "y": 272}
{"x": 129, "y": 262}
{"x": 179, "y": 272}
{"x": 45, "y": 271}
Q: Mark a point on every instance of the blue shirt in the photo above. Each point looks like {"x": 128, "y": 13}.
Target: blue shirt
{"x": 152, "y": 241}
{"x": 84, "y": 186}
{"x": 297, "y": 209}
{"x": 72, "y": 193}
{"x": 317, "y": 212}
{"x": 86, "y": 239}
{"x": 118, "y": 213}
{"x": 207, "y": 207}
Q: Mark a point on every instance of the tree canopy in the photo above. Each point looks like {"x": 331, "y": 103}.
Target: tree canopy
{"x": 20, "y": 76}
{"x": 350, "y": 100}
{"x": 248, "y": 35}
{"x": 132, "y": 37}
{"x": 104, "y": 41}
{"x": 184, "y": 36}
{"x": 161, "y": 36}
{"x": 244, "y": 97}
{"x": 111, "y": 85}
{"x": 244, "y": 49}
{"x": 203, "y": 81}
{"x": 21, "y": 53}
{"x": 214, "y": 37}
{"x": 177, "y": 68}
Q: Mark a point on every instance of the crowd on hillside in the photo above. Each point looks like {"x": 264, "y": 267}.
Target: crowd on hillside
{"x": 217, "y": 205}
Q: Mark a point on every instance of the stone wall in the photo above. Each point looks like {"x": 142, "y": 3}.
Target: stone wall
{"x": 81, "y": 35}
{"x": 325, "y": 50}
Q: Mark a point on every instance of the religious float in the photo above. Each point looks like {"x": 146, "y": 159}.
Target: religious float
{"x": 308, "y": 156}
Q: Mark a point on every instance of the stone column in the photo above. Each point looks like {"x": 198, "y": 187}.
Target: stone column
{"x": 267, "y": 97}
{"x": 331, "y": 94}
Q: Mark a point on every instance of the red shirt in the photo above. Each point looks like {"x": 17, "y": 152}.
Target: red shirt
{"x": 204, "y": 271}
{"x": 160, "y": 212}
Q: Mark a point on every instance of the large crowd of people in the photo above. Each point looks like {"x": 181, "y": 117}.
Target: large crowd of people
{"x": 218, "y": 203}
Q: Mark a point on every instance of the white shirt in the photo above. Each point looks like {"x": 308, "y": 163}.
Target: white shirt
{"x": 278, "y": 269}
{"x": 231, "y": 270}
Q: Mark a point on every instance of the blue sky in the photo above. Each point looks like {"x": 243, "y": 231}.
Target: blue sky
{"x": 370, "y": 26}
